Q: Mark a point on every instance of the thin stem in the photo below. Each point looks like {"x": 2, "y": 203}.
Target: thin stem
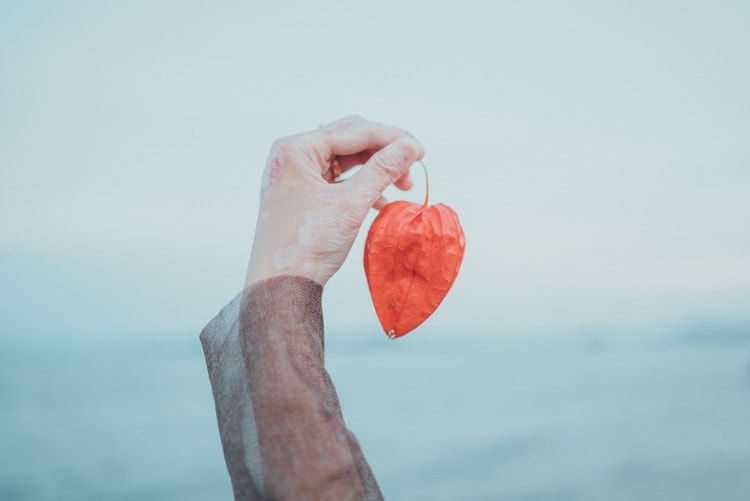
{"x": 426, "y": 183}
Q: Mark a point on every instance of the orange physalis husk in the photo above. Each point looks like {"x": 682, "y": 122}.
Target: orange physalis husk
{"x": 412, "y": 256}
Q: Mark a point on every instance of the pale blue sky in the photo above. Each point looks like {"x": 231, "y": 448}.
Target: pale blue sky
{"x": 597, "y": 154}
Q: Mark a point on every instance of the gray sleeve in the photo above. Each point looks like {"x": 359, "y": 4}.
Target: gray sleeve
{"x": 234, "y": 410}
{"x": 279, "y": 417}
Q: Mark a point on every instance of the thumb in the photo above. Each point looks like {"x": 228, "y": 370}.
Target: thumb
{"x": 387, "y": 165}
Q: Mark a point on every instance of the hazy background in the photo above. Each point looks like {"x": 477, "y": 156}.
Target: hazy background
{"x": 597, "y": 154}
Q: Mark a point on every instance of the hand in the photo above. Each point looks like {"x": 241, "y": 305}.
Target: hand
{"x": 308, "y": 221}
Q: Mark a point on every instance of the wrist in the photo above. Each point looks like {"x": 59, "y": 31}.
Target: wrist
{"x": 286, "y": 261}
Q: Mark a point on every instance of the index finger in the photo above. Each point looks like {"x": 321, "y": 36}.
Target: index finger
{"x": 353, "y": 135}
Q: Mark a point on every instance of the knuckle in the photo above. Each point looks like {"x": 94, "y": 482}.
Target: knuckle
{"x": 288, "y": 146}
{"x": 384, "y": 161}
{"x": 353, "y": 119}
{"x": 277, "y": 155}
{"x": 279, "y": 159}
{"x": 347, "y": 121}
{"x": 281, "y": 144}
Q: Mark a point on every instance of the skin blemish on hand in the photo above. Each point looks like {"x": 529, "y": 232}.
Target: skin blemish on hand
{"x": 275, "y": 167}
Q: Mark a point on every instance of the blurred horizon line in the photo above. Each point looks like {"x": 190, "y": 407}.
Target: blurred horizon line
{"x": 693, "y": 333}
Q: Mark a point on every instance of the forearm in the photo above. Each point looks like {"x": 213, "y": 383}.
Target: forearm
{"x": 301, "y": 432}
{"x": 305, "y": 449}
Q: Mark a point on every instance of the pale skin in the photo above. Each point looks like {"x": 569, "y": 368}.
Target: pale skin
{"x": 307, "y": 221}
